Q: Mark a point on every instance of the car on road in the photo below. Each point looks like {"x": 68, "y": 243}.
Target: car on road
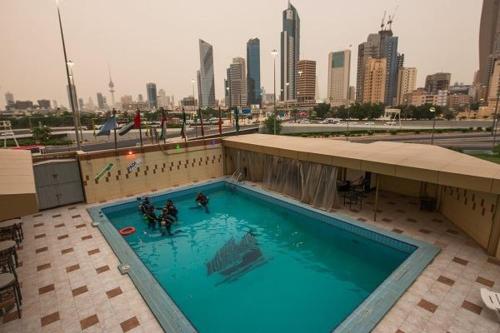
{"x": 329, "y": 121}
{"x": 370, "y": 123}
{"x": 391, "y": 123}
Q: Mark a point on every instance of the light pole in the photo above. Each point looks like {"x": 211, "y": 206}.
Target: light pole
{"x": 72, "y": 102}
{"x": 433, "y": 110}
{"x": 274, "y": 53}
{"x": 347, "y": 122}
{"x": 495, "y": 122}
{"x": 77, "y": 108}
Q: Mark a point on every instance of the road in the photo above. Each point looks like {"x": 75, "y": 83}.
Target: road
{"x": 174, "y": 137}
{"x": 290, "y": 127}
{"x": 469, "y": 141}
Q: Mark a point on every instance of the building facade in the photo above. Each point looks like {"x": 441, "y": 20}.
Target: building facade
{"x": 389, "y": 51}
{"x": 436, "y": 82}
{"x": 101, "y": 101}
{"x": 206, "y": 80}
{"x": 489, "y": 40}
{"x": 339, "y": 72}
{"x": 306, "y": 82}
{"x": 407, "y": 82}
{"x": 366, "y": 50}
{"x": 374, "y": 80}
{"x": 237, "y": 83}
{"x": 253, "y": 72}
{"x": 9, "y": 99}
{"x": 152, "y": 95}
{"x": 290, "y": 52}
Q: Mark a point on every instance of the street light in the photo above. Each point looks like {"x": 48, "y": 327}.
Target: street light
{"x": 274, "y": 53}
{"x": 433, "y": 111}
{"x": 70, "y": 88}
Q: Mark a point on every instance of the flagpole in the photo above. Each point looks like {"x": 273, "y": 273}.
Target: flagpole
{"x": 164, "y": 126}
{"x": 138, "y": 114}
{"x": 220, "y": 123}
{"x": 114, "y": 128}
{"x": 201, "y": 123}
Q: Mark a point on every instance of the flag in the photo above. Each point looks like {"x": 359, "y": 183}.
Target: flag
{"x": 137, "y": 119}
{"x": 237, "y": 120}
{"x": 220, "y": 122}
{"x": 201, "y": 123}
{"x": 183, "y": 129}
{"x": 163, "y": 133}
{"x": 109, "y": 124}
{"x": 137, "y": 124}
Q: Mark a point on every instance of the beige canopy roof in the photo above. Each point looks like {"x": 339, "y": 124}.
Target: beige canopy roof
{"x": 420, "y": 162}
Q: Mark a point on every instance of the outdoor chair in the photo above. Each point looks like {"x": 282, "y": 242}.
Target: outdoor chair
{"x": 10, "y": 293}
{"x": 353, "y": 197}
{"x": 12, "y": 230}
{"x": 492, "y": 300}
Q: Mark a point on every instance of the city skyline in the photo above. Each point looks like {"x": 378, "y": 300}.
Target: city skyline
{"x": 173, "y": 68}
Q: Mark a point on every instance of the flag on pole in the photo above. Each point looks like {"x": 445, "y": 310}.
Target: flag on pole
{"x": 201, "y": 123}
{"x": 183, "y": 129}
{"x": 220, "y": 122}
{"x": 137, "y": 124}
{"x": 163, "y": 133}
{"x": 237, "y": 120}
{"x": 109, "y": 125}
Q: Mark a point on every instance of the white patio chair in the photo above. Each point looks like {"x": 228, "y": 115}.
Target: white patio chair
{"x": 492, "y": 300}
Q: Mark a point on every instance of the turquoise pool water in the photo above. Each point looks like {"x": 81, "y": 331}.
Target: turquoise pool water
{"x": 250, "y": 265}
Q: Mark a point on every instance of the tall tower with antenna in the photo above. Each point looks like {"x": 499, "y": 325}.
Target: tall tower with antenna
{"x": 111, "y": 88}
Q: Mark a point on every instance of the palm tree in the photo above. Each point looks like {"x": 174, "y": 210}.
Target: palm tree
{"x": 41, "y": 134}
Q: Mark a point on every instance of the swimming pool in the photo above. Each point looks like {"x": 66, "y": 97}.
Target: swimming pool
{"x": 259, "y": 262}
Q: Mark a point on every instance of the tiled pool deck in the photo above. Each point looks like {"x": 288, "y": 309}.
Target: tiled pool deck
{"x": 70, "y": 280}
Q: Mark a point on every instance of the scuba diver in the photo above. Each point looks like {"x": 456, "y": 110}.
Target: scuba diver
{"x": 171, "y": 209}
{"x": 150, "y": 216}
{"x": 144, "y": 204}
{"x": 202, "y": 201}
{"x": 166, "y": 221}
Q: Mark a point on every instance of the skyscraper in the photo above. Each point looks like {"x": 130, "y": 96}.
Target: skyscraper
{"x": 111, "y": 89}
{"x": 407, "y": 82}
{"x": 366, "y": 50}
{"x": 9, "y": 99}
{"x": 206, "y": 75}
{"x": 253, "y": 72}
{"x": 152, "y": 95}
{"x": 101, "y": 101}
{"x": 489, "y": 39}
{"x": 389, "y": 51}
{"x": 436, "y": 82}
{"x": 339, "y": 71}
{"x": 306, "y": 82}
{"x": 374, "y": 81}
{"x": 380, "y": 45}
{"x": 237, "y": 81}
{"x": 290, "y": 52}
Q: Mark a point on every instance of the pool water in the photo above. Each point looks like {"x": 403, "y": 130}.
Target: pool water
{"x": 250, "y": 265}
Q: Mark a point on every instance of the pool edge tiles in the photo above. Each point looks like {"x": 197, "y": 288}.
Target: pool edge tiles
{"x": 363, "y": 319}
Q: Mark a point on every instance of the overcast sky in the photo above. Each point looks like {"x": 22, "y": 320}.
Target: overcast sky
{"x": 157, "y": 40}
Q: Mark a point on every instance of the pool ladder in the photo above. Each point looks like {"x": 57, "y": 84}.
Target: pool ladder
{"x": 237, "y": 176}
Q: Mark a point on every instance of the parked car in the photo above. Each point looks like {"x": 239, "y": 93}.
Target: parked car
{"x": 330, "y": 121}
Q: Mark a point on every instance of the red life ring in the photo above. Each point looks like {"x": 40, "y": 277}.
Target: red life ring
{"x": 127, "y": 231}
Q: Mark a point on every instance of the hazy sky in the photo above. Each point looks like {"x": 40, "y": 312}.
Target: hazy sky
{"x": 157, "y": 40}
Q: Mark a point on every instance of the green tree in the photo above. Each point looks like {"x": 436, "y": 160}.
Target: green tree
{"x": 322, "y": 110}
{"x": 41, "y": 134}
{"x": 269, "y": 123}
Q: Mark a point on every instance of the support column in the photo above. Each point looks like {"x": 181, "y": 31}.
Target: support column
{"x": 495, "y": 230}
{"x": 376, "y": 198}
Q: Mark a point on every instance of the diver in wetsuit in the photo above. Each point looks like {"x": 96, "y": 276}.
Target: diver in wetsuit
{"x": 145, "y": 203}
{"x": 171, "y": 209}
{"x": 166, "y": 221}
{"x": 202, "y": 201}
{"x": 151, "y": 216}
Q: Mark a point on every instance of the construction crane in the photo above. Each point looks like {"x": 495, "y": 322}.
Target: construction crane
{"x": 392, "y": 17}
{"x": 382, "y": 25}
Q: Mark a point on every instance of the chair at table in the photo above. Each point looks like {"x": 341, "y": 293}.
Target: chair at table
{"x": 10, "y": 293}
